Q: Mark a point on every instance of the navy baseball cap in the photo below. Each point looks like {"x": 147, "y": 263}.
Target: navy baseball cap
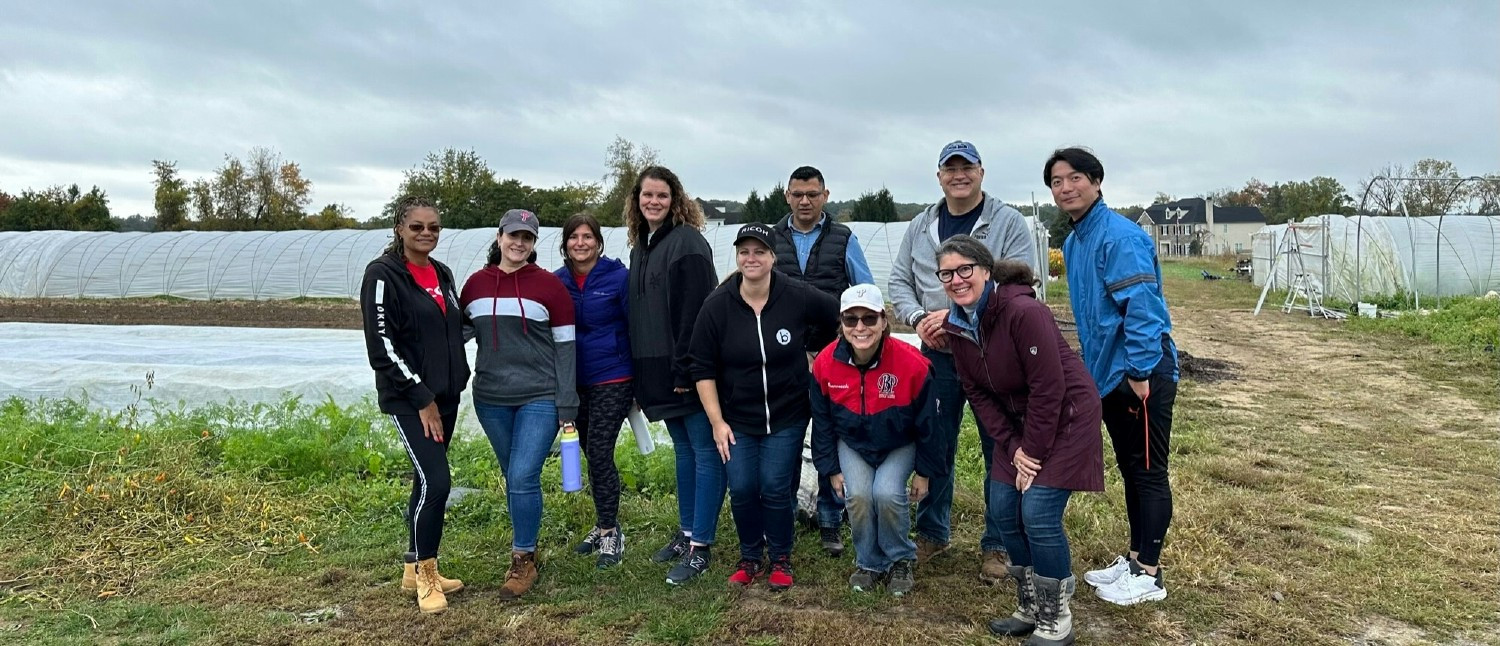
{"x": 962, "y": 149}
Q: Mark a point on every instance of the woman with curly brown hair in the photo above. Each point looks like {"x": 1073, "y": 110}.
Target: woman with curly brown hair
{"x": 671, "y": 273}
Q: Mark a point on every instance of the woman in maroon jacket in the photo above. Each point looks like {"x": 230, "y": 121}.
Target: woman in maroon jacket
{"x": 1035, "y": 398}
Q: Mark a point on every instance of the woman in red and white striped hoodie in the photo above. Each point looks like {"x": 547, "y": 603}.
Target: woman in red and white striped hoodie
{"x": 524, "y": 376}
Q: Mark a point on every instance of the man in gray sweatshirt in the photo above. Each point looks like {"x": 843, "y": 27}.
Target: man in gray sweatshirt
{"x": 919, "y": 300}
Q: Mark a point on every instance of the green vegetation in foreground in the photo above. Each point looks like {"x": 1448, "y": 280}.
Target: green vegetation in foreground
{"x": 1465, "y": 325}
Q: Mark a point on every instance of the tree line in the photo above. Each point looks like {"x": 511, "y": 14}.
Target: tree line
{"x": 263, "y": 191}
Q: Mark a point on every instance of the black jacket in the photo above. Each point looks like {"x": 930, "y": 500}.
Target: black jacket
{"x": 758, "y": 363}
{"x": 826, "y": 264}
{"x": 415, "y": 348}
{"x": 670, "y": 275}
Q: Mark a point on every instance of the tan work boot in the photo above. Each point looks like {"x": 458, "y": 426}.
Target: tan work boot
{"x": 430, "y": 597}
{"x": 409, "y": 580}
{"x": 927, "y": 549}
{"x": 521, "y": 577}
{"x": 992, "y": 569}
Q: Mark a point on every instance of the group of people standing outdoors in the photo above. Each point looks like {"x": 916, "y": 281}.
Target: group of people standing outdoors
{"x": 795, "y": 349}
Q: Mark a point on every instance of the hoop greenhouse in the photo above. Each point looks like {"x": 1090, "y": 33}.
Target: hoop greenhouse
{"x": 264, "y": 265}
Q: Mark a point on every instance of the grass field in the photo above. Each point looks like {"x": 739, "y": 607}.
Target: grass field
{"x": 1342, "y": 489}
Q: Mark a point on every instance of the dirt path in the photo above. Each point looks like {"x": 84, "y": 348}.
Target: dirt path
{"x": 152, "y": 311}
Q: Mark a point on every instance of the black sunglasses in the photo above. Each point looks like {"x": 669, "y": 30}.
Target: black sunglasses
{"x": 416, "y": 227}
{"x": 852, "y": 320}
{"x": 963, "y": 271}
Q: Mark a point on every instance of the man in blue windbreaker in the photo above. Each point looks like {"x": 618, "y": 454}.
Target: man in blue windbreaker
{"x": 1125, "y": 333}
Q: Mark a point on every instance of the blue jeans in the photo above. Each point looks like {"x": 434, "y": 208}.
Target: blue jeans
{"x": 830, "y": 506}
{"x": 522, "y": 437}
{"x": 1031, "y": 526}
{"x": 700, "y": 476}
{"x": 878, "y": 508}
{"x": 934, "y": 513}
{"x": 763, "y": 474}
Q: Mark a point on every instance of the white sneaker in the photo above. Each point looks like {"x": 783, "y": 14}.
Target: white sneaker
{"x": 1109, "y": 574}
{"x": 1132, "y": 588}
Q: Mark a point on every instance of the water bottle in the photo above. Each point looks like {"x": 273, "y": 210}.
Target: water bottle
{"x": 642, "y": 430}
{"x": 572, "y": 470}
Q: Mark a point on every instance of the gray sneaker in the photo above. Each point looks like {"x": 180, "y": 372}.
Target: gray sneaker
{"x": 611, "y": 547}
{"x": 589, "y": 543}
{"x": 901, "y": 580}
{"x": 864, "y": 580}
{"x": 674, "y": 549}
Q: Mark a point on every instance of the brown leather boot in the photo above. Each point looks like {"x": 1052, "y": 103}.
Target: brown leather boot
{"x": 927, "y": 549}
{"x": 992, "y": 569}
{"x": 409, "y": 581}
{"x": 521, "y": 577}
{"x": 430, "y": 598}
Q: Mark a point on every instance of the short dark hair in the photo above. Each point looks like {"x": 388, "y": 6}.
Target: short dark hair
{"x": 1012, "y": 272}
{"x": 805, "y": 173}
{"x": 1081, "y": 159}
{"x": 969, "y": 247}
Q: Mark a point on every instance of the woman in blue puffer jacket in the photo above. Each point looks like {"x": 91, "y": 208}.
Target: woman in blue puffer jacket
{"x": 600, "y": 290}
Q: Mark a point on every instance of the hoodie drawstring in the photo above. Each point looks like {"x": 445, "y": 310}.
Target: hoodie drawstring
{"x": 515, "y": 280}
{"x": 494, "y": 299}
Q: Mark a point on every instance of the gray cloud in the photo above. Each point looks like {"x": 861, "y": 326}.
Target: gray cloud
{"x": 1181, "y": 97}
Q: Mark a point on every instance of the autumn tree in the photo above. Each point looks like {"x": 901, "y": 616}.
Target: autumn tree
{"x": 624, "y": 161}
{"x": 171, "y": 196}
{"x": 333, "y": 216}
{"x": 264, "y": 192}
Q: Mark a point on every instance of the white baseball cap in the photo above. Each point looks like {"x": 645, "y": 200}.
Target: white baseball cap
{"x": 866, "y": 296}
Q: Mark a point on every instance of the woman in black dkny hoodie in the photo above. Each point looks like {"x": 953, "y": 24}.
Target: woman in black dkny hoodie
{"x": 414, "y": 337}
{"x": 749, "y": 362}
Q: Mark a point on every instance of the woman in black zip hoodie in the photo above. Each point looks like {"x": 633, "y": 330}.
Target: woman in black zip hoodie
{"x": 414, "y": 337}
{"x": 749, "y": 362}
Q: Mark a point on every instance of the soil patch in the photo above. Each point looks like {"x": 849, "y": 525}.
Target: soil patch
{"x": 1204, "y": 370}
{"x": 150, "y": 311}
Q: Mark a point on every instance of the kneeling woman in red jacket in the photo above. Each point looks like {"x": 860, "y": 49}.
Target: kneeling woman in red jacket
{"x": 873, "y": 425}
{"x": 1034, "y": 396}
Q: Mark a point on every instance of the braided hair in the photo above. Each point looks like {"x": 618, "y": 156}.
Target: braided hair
{"x": 404, "y": 207}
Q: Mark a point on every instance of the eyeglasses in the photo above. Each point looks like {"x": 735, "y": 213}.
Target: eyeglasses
{"x": 416, "y": 227}
{"x": 798, "y": 196}
{"x": 966, "y": 169}
{"x": 963, "y": 271}
{"x": 852, "y": 320}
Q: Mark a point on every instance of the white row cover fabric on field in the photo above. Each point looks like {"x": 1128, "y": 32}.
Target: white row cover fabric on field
{"x": 108, "y": 364}
{"x": 266, "y": 265}
{"x": 1361, "y": 256}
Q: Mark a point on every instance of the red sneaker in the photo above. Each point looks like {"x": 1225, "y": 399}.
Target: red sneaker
{"x": 781, "y": 573}
{"x": 745, "y": 573}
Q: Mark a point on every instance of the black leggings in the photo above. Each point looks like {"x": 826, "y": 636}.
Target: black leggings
{"x": 1148, "y": 491}
{"x": 430, "y": 482}
{"x": 601, "y": 410}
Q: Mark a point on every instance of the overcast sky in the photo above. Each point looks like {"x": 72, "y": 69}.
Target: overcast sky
{"x": 1180, "y": 97}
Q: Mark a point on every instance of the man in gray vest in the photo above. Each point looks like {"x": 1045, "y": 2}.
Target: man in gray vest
{"x": 814, "y": 248}
{"x": 919, "y": 301}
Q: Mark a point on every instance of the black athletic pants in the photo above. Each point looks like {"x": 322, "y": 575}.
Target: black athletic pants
{"x": 430, "y": 482}
{"x": 1137, "y": 438}
{"x": 601, "y": 411}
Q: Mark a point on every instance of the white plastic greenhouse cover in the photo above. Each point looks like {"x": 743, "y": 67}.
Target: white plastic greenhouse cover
{"x": 264, "y": 265}
{"x": 1444, "y": 255}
